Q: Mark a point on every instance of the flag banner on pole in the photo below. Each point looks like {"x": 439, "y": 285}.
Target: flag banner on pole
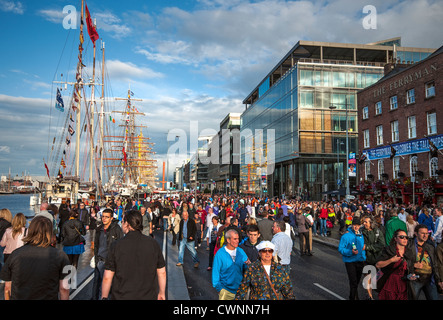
{"x": 59, "y": 105}
{"x": 91, "y": 28}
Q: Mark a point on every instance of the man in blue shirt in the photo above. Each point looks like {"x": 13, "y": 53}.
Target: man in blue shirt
{"x": 228, "y": 267}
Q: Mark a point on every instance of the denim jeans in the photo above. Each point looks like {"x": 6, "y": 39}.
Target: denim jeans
{"x": 323, "y": 229}
{"x": 428, "y": 287}
{"x": 191, "y": 247}
{"x": 165, "y": 224}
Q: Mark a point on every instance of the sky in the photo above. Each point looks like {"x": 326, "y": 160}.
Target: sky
{"x": 191, "y": 62}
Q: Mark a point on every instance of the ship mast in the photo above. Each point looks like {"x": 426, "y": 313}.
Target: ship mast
{"x": 91, "y": 150}
{"x": 78, "y": 118}
{"x": 102, "y": 112}
{"x": 135, "y": 148}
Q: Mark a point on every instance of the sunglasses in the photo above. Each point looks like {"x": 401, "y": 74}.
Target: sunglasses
{"x": 402, "y": 237}
{"x": 267, "y": 250}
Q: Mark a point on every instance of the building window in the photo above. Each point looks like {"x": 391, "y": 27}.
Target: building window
{"x": 433, "y": 167}
{"x": 393, "y": 102}
{"x": 367, "y": 168}
{"x": 366, "y": 138}
{"x": 381, "y": 169}
{"x": 430, "y": 89}
{"x": 365, "y": 113}
{"x": 432, "y": 123}
{"x": 413, "y": 162}
{"x": 378, "y": 108}
{"x": 394, "y": 130}
{"x": 410, "y": 95}
{"x": 396, "y": 167}
{"x": 379, "y": 132}
{"x": 412, "y": 132}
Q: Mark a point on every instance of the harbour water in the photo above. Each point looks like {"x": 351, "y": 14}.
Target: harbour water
{"x": 19, "y": 203}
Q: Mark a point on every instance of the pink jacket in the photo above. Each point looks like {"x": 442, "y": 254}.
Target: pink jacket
{"x": 9, "y": 242}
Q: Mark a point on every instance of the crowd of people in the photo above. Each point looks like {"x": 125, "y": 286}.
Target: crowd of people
{"x": 249, "y": 239}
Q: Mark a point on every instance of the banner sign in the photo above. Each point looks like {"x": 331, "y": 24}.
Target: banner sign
{"x": 405, "y": 148}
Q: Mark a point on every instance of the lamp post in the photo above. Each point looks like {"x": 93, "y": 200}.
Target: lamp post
{"x": 347, "y": 145}
{"x": 347, "y": 150}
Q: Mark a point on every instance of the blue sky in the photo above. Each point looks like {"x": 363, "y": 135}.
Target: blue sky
{"x": 187, "y": 60}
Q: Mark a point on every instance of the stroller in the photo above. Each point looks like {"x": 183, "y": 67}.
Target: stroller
{"x": 329, "y": 226}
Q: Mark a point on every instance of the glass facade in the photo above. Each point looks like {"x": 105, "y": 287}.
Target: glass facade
{"x": 303, "y": 118}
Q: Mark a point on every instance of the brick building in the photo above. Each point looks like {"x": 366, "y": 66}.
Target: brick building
{"x": 400, "y": 121}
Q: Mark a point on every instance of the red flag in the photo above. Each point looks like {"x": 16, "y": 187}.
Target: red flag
{"x": 91, "y": 28}
{"x": 47, "y": 171}
{"x": 125, "y": 158}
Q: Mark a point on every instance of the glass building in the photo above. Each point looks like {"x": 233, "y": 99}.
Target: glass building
{"x": 293, "y": 131}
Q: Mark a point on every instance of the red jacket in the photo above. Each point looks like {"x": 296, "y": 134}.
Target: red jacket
{"x": 323, "y": 213}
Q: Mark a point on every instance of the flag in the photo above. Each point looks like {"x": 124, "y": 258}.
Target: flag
{"x": 125, "y": 157}
{"x": 68, "y": 141}
{"x": 70, "y": 117}
{"x": 59, "y": 105}
{"x": 71, "y": 131}
{"x": 393, "y": 152}
{"x": 433, "y": 149}
{"x": 63, "y": 164}
{"x": 59, "y": 176}
{"x": 91, "y": 28}
{"x": 362, "y": 158}
{"x": 47, "y": 171}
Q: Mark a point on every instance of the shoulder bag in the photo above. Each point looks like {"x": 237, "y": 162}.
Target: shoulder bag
{"x": 270, "y": 282}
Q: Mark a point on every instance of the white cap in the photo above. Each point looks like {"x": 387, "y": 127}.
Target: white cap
{"x": 265, "y": 245}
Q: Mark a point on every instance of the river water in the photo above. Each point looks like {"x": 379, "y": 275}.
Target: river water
{"x": 18, "y": 203}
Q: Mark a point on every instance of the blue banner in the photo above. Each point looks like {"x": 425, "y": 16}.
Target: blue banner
{"x": 405, "y": 148}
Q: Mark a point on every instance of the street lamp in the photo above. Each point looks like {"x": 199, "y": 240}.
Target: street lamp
{"x": 347, "y": 146}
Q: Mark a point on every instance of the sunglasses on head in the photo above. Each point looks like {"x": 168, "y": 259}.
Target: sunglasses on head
{"x": 267, "y": 250}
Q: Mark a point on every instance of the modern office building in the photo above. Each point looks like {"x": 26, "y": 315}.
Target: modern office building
{"x": 303, "y": 107}
{"x": 224, "y": 174}
{"x": 401, "y": 124}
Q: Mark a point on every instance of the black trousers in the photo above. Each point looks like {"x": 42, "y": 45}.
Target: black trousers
{"x": 305, "y": 245}
{"x": 355, "y": 271}
{"x": 211, "y": 252}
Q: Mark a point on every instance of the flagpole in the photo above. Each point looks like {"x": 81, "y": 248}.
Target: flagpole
{"x": 91, "y": 151}
{"x": 102, "y": 111}
{"x": 78, "y": 118}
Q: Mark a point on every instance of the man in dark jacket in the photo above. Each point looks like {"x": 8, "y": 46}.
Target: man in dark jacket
{"x": 265, "y": 227}
{"x": 186, "y": 236}
{"x": 107, "y": 232}
{"x": 249, "y": 246}
{"x": 84, "y": 215}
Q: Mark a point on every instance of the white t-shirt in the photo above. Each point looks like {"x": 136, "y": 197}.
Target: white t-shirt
{"x": 267, "y": 269}
{"x": 232, "y": 253}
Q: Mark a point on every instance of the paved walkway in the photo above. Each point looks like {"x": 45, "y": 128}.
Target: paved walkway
{"x": 176, "y": 285}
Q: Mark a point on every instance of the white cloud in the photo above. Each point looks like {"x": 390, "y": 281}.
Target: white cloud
{"x": 11, "y": 6}
{"x": 5, "y": 149}
{"x": 238, "y": 40}
{"x": 109, "y": 22}
{"x": 128, "y": 71}
{"x": 52, "y": 15}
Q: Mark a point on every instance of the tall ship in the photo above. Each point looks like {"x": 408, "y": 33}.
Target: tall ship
{"x": 77, "y": 157}
{"x": 132, "y": 168}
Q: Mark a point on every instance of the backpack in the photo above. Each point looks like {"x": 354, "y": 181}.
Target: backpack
{"x": 220, "y": 241}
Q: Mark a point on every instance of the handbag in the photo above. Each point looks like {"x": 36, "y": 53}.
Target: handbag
{"x": 270, "y": 282}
